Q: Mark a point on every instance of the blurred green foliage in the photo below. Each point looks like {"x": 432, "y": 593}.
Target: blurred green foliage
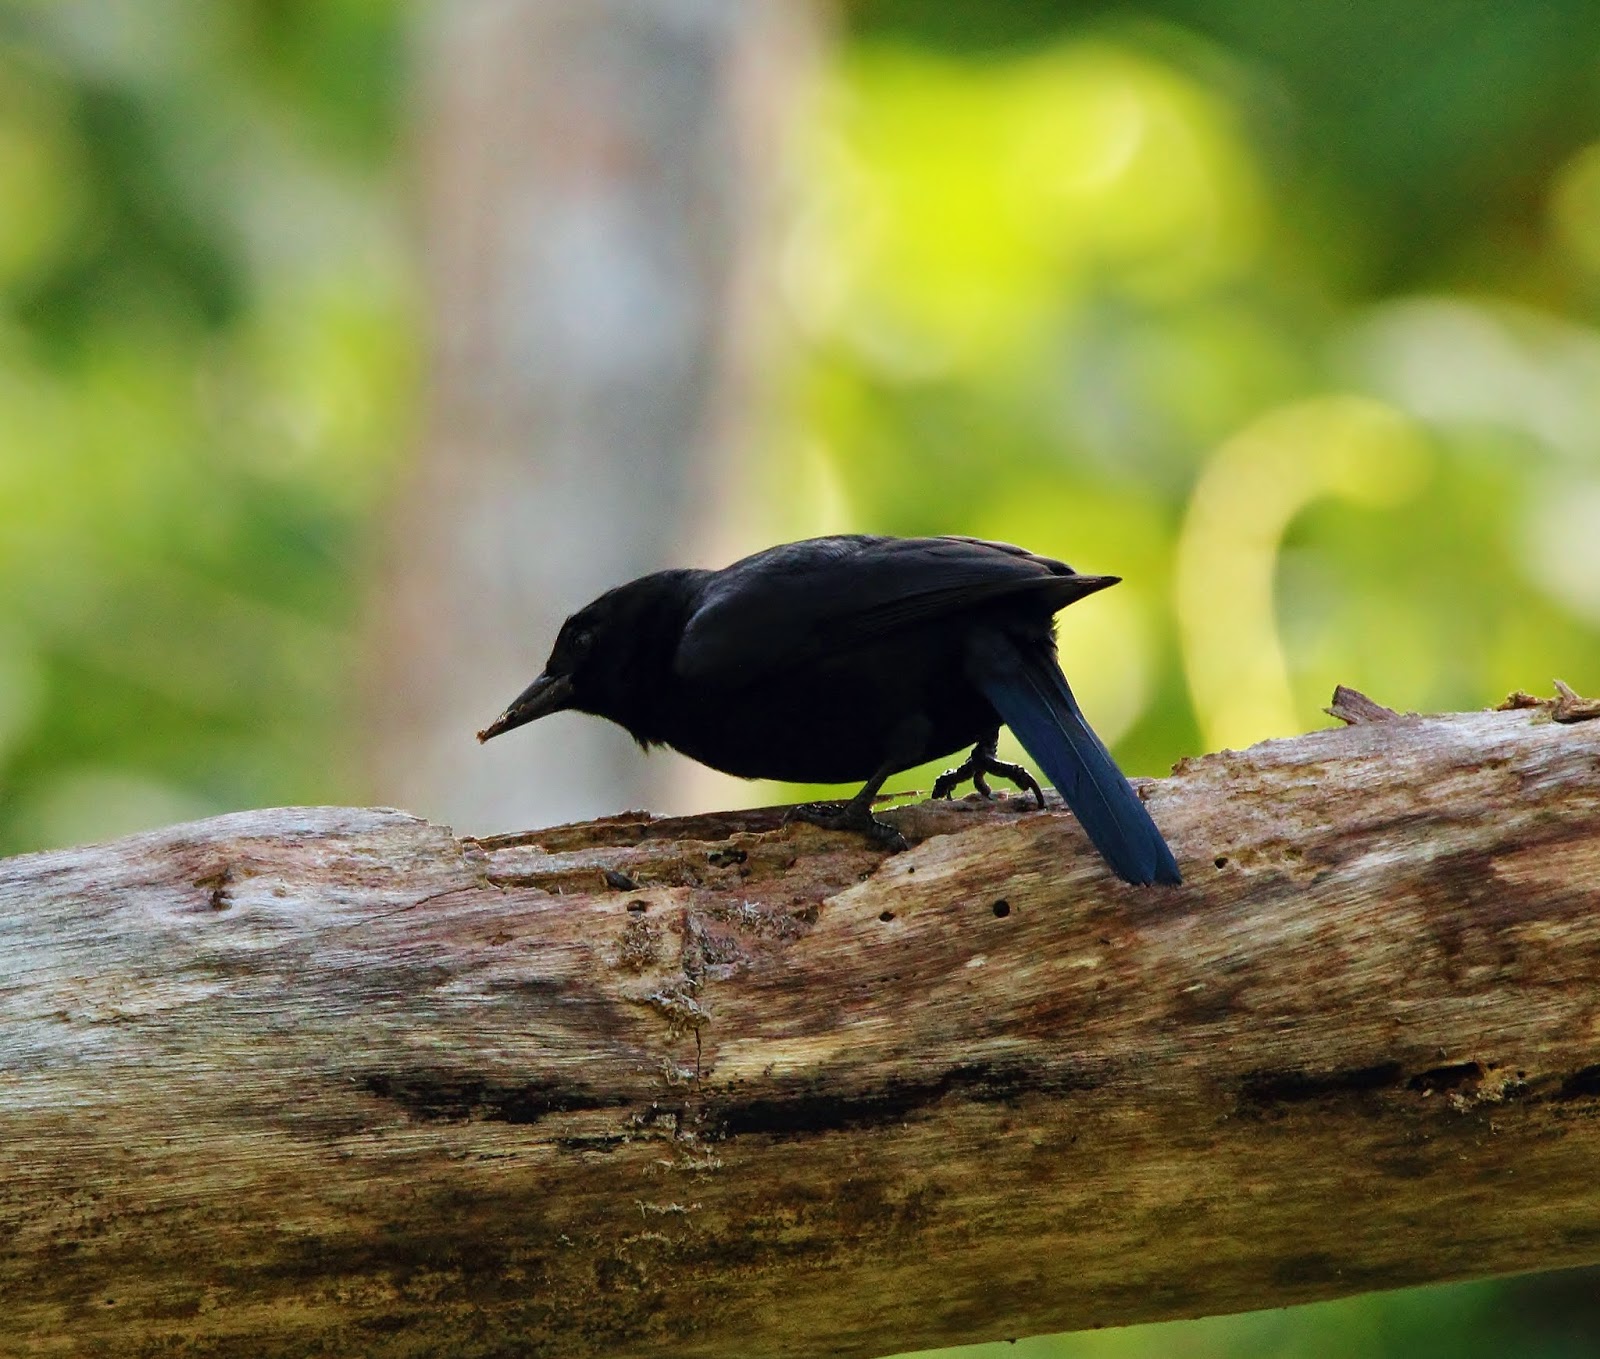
{"x": 1287, "y": 316}
{"x": 1285, "y": 313}
{"x": 207, "y": 337}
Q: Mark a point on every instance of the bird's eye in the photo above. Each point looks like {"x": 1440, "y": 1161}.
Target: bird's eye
{"x": 582, "y": 639}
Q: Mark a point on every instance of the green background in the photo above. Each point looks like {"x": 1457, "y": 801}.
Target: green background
{"x": 1287, "y": 314}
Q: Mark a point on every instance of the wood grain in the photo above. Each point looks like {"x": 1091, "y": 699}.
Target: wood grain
{"x": 326, "y": 1080}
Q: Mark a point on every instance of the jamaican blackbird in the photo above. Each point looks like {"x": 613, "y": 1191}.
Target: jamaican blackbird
{"x": 853, "y": 657}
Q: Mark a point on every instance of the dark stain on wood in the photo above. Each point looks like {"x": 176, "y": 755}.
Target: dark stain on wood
{"x": 806, "y": 1113}
{"x": 1261, "y": 1090}
{"x": 1583, "y": 1084}
{"x": 442, "y": 1096}
{"x": 1453, "y": 1076}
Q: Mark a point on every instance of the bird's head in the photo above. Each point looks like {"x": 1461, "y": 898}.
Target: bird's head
{"x": 607, "y": 655}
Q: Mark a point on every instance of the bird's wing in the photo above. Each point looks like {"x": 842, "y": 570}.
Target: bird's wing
{"x": 803, "y": 600}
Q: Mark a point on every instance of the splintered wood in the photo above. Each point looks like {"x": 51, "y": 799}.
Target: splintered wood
{"x": 326, "y": 1080}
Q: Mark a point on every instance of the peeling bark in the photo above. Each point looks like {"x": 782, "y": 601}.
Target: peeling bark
{"x": 326, "y": 1080}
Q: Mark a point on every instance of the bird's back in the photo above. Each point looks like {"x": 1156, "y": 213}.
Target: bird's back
{"x": 818, "y": 661}
{"x": 804, "y": 601}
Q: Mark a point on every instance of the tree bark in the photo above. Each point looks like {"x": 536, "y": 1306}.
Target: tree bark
{"x": 337, "y": 1081}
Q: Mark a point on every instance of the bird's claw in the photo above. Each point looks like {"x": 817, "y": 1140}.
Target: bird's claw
{"x": 848, "y": 816}
{"x": 975, "y": 766}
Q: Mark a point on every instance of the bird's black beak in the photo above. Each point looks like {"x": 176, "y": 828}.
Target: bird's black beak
{"x": 547, "y": 694}
{"x": 1088, "y": 585}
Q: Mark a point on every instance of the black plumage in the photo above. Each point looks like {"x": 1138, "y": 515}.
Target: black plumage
{"x": 850, "y": 658}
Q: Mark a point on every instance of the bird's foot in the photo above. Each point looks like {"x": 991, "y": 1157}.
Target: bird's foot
{"x": 849, "y": 816}
{"x": 947, "y": 783}
{"x": 982, "y": 762}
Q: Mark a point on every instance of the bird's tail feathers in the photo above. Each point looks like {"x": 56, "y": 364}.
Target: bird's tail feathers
{"x": 1032, "y": 697}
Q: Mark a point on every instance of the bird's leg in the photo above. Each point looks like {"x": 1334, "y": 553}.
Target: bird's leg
{"x": 982, "y": 761}
{"x": 854, "y": 815}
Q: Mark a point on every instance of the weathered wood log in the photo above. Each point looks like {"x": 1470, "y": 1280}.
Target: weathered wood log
{"x": 337, "y": 1081}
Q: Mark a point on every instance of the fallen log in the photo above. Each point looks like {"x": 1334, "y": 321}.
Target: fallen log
{"x": 327, "y": 1080}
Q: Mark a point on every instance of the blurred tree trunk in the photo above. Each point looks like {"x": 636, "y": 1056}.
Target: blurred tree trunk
{"x": 599, "y": 183}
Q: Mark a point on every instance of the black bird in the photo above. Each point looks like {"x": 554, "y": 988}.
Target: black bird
{"x": 853, "y": 657}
